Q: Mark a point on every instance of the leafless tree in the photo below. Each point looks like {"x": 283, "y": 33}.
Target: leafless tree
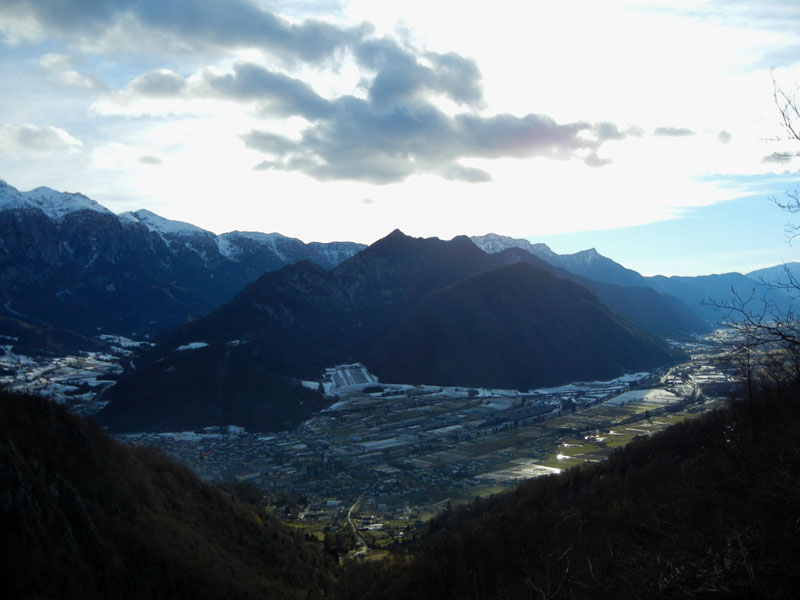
{"x": 789, "y": 112}
{"x": 764, "y": 339}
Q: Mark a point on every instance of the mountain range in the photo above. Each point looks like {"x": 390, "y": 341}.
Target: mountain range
{"x": 68, "y": 262}
{"x": 701, "y": 294}
{"x": 241, "y": 316}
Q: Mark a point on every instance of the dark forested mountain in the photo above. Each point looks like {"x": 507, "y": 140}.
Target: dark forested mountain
{"x": 66, "y": 261}
{"x": 85, "y": 517}
{"x": 699, "y": 294}
{"x": 512, "y": 327}
{"x": 376, "y": 307}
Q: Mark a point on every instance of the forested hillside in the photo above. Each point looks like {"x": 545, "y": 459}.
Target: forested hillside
{"x": 82, "y": 516}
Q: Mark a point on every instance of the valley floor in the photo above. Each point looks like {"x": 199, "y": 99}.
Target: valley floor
{"x": 396, "y": 454}
{"x": 403, "y": 452}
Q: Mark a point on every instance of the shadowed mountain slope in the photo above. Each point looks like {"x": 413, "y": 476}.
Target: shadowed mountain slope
{"x": 513, "y": 327}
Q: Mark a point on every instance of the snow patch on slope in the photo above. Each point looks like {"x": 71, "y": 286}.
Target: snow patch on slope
{"x": 230, "y": 246}
{"x": 227, "y": 248}
{"x": 191, "y": 346}
{"x": 161, "y": 225}
{"x": 493, "y": 243}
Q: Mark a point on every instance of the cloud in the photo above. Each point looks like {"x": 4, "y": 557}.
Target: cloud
{"x": 60, "y": 69}
{"x": 724, "y": 137}
{"x": 593, "y": 160}
{"x": 393, "y": 133}
{"x": 780, "y": 158}
{"x": 16, "y": 140}
{"x": 609, "y": 131}
{"x": 469, "y": 174}
{"x": 162, "y": 83}
{"x": 280, "y": 94}
{"x": 392, "y": 127}
{"x": 150, "y": 160}
{"x": 673, "y": 131}
{"x": 195, "y": 25}
{"x": 117, "y": 156}
{"x": 358, "y": 140}
{"x": 402, "y": 76}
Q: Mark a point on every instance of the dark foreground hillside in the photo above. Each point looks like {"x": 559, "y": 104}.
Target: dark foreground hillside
{"x": 707, "y": 509}
{"x": 82, "y": 516}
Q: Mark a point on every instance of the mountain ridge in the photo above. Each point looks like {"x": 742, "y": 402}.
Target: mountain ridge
{"x": 300, "y": 319}
{"x": 65, "y": 260}
{"x": 699, "y": 293}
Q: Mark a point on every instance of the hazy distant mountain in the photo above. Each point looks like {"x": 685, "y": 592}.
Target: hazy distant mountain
{"x": 697, "y": 293}
{"x": 588, "y": 263}
{"x": 658, "y": 313}
{"x": 66, "y": 261}
{"x": 779, "y": 274}
{"x": 399, "y": 303}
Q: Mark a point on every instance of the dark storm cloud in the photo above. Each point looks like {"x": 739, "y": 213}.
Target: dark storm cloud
{"x": 233, "y": 23}
{"x": 673, "y": 131}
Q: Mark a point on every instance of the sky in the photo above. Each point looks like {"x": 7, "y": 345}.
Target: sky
{"x": 646, "y": 129}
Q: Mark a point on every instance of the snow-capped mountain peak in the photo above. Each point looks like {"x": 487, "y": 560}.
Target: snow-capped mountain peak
{"x": 52, "y": 203}
{"x": 57, "y": 205}
{"x": 161, "y": 225}
{"x": 493, "y": 243}
{"x": 10, "y": 197}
